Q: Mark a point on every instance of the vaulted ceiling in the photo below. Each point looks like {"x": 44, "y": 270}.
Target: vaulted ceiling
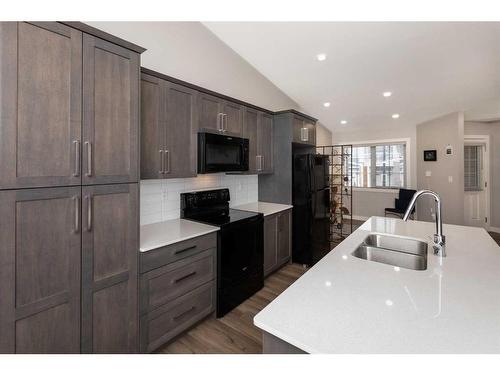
{"x": 430, "y": 68}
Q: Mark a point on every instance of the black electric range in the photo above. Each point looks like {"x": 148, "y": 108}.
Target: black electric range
{"x": 240, "y": 245}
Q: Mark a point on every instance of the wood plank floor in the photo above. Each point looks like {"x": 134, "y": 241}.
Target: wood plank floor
{"x": 235, "y": 333}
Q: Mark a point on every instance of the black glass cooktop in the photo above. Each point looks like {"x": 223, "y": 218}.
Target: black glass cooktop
{"x": 228, "y": 217}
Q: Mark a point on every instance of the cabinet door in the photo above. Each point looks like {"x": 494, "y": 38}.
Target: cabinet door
{"x": 265, "y": 142}
{"x": 298, "y": 130}
{"x": 250, "y": 132}
{"x": 109, "y": 269}
{"x": 181, "y": 125}
{"x": 270, "y": 243}
{"x": 311, "y": 132}
{"x": 152, "y": 127}
{"x": 111, "y": 110}
{"x": 40, "y": 270}
{"x": 233, "y": 118}
{"x": 284, "y": 241}
{"x": 209, "y": 112}
{"x": 40, "y": 104}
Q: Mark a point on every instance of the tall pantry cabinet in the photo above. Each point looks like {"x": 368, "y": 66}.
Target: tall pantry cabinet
{"x": 69, "y": 141}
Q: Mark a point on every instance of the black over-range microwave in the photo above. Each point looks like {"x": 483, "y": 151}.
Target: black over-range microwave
{"x": 222, "y": 153}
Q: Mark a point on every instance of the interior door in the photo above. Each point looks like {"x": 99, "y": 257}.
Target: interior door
{"x": 152, "y": 127}
{"x": 181, "y": 131}
{"x": 40, "y": 233}
{"x": 250, "y": 131}
{"x": 111, "y": 112}
{"x": 40, "y": 104}
{"x": 476, "y": 187}
{"x": 109, "y": 268}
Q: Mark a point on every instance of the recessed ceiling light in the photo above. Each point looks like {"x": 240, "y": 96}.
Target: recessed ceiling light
{"x": 387, "y": 94}
{"x": 396, "y": 115}
{"x": 326, "y": 104}
{"x": 321, "y": 57}
{"x": 343, "y": 122}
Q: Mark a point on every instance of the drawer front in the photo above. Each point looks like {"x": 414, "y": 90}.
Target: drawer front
{"x": 168, "y": 254}
{"x": 167, "y": 321}
{"x": 166, "y": 283}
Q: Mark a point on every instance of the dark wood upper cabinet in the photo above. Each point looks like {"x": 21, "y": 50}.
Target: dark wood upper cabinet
{"x": 110, "y": 268}
{"x": 40, "y": 270}
{"x": 250, "y": 131}
{"x": 153, "y": 138}
{"x": 110, "y": 113}
{"x": 304, "y": 131}
{"x": 181, "y": 131}
{"x": 168, "y": 129}
{"x": 232, "y": 119}
{"x": 265, "y": 143}
{"x": 40, "y": 104}
{"x": 210, "y": 110}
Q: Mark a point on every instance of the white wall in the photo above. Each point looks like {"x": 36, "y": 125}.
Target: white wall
{"x": 368, "y": 203}
{"x": 323, "y": 135}
{"x": 191, "y": 52}
{"x": 160, "y": 199}
{"x": 436, "y": 134}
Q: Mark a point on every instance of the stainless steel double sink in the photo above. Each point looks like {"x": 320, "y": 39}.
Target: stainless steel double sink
{"x": 396, "y": 251}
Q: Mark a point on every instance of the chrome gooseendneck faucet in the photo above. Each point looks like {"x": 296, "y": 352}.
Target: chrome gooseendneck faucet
{"x": 439, "y": 239}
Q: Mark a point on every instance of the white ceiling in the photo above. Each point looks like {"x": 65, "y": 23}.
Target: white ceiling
{"x": 431, "y": 68}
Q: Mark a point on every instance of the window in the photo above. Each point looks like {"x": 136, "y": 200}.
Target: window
{"x": 379, "y": 165}
{"x": 472, "y": 168}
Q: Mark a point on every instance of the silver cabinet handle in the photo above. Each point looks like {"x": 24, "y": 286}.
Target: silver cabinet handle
{"x": 259, "y": 163}
{"x": 89, "y": 158}
{"x": 162, "y": 169}
{"x": 88, "y": 198}
{"x": 167, "y": 162}
{"x": 307, "y": 134}
{"x": 219, "y": 122}
{"x": 77, "y": 158}
{"x": 76, "y": 201}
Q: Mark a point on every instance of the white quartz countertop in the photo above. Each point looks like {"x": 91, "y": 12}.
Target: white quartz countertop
{"x": 168, "y": 232}
{"x": 348, "y": 305}
{"x": 265, "y": 208}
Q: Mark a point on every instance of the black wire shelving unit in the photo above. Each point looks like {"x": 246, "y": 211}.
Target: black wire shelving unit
{"x": 340, "y": 181}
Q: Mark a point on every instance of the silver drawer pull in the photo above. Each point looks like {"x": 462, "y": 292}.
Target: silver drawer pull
{"x": 77, "y": 158}
{"x": 185, "y": 277}
{"x": 184, "y": 250}
{"x": 182, "y": 314}
{"x": 76, "y": 200}
{"x": 89, "y": 158}
{"x": 88, "y": 198}
{"x": 162, "y": 169}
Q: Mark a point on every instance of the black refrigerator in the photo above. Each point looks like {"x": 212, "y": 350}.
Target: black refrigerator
{"x": 311, "y": 208}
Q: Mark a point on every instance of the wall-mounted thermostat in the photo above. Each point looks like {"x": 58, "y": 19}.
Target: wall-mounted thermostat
{"x": 449, "y": 150}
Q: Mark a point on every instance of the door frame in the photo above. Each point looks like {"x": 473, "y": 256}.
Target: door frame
{"x": 483, "y": 139}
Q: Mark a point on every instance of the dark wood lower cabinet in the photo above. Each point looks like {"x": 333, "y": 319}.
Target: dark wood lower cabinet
{"x": 277, "y": 241}
{"x": 177, "y": 289}
{"x": 40, "y": 270}
{"x": 109, "y": 268}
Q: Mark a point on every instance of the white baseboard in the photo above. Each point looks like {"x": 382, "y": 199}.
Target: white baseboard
{"x": 494, "y": 229}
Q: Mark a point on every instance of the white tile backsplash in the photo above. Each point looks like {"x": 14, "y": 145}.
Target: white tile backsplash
{"x": 160, "y": 199}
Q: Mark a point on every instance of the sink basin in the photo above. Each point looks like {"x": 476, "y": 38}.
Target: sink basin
{"x": 395, "y": 251}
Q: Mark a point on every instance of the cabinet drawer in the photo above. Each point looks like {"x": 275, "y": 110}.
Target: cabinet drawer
{"x": 164, "y": 284}
{"x": 167, "y": 321}
{"x": 168, "y": 254}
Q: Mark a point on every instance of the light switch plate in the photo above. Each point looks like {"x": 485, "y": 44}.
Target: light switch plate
{"x": 450, "y": 179}
{"x": 428, "y": 173}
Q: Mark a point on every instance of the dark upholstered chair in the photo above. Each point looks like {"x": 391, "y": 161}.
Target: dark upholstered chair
{"x": 401, "y": 203}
